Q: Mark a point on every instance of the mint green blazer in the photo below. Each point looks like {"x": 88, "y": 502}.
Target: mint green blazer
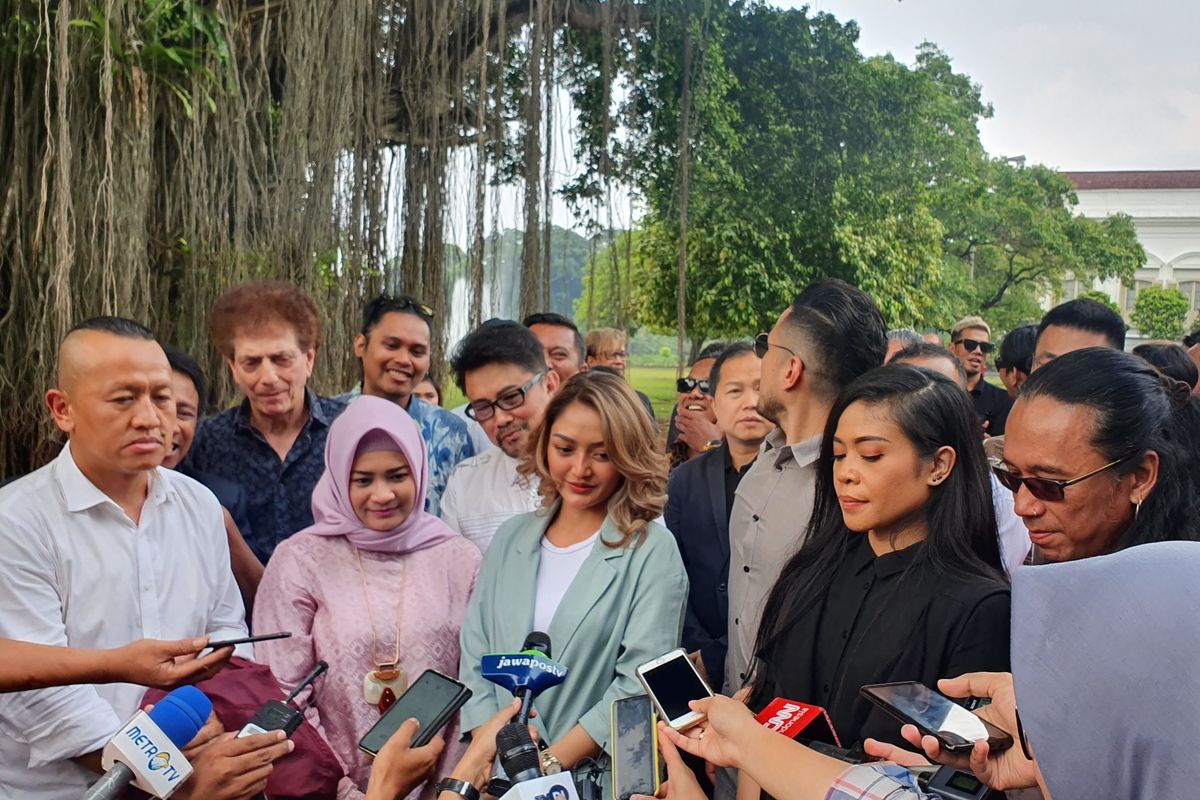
{"x": 625, "y": 607}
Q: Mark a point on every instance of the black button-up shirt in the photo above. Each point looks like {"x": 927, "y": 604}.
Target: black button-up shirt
{"x": 279, "y": 493}
{"x": 887, "y": 618}
{"x": 992, "y": 404}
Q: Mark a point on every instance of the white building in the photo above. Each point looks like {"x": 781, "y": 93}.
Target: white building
{"x": 1165, "y": 207}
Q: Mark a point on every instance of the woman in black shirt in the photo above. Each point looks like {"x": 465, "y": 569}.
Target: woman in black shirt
{"x": 899, "y": 577}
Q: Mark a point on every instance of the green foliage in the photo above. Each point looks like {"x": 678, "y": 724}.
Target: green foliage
{"x": 1160, "y": 313}
{"x": 1101, "y": 297}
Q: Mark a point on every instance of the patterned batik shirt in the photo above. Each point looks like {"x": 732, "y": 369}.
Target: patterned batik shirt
{"x": 279, "y": 493}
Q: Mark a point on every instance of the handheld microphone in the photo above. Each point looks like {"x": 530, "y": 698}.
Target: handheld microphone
{"x": 525, "y": 674}
{"x": 520, "y": 760}
{"x": 146, "y": 751}
{"x": 282, "y": 716}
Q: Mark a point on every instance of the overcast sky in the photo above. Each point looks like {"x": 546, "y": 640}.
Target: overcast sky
{"x": 1095, "y": 85}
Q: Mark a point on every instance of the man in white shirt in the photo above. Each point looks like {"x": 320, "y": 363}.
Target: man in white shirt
{"x": 501, "y": 366}
{"x": 102, "y": 546}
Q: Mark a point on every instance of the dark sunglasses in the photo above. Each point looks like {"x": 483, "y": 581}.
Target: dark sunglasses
{"x": 972, "y": 344}
{"x": 763, "y": 343}
{"x": 482, "y": 410}
{"x": 1045, "y": 488}
{"x": 403, "y": 302}
{"x": 686, "y": 385}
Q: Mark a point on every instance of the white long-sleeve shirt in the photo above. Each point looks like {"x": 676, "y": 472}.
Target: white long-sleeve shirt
{"x": 75, "y": 570}
{"x": 483, "y": 493}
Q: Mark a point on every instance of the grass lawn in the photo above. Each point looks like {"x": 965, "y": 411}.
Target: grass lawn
{"x": 659, "y": 385}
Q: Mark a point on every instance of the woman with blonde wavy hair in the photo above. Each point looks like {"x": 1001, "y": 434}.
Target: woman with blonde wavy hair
{"x": 594, "y": 568}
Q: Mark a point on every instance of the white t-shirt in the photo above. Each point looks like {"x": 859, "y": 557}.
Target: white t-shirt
{"x": 556, "y": 571}
{"x": 483, "y": 493}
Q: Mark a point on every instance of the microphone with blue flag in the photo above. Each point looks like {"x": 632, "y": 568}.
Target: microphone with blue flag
{"x": 525, "y": 674}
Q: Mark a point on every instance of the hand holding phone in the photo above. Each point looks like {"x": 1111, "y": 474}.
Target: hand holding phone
{"x": 934, "y": 714}
{"x": 431, "y": 700}
{"x": 634, "y": 748}
{"x": 671, "y": 681}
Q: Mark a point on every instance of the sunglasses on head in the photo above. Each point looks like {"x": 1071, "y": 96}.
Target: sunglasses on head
{"x": 686, "y": 385}
{"x": 1044, "y": 488}
{"x": 972, "y": 344}
{"x": 403, "y": 302}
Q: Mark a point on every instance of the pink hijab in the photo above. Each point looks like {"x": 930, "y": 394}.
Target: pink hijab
{"x": 373, "y": 418}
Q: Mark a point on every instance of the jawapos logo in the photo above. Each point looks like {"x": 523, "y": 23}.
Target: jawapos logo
{"x": 159, "y": 761}
{"x": 531, "y": 662}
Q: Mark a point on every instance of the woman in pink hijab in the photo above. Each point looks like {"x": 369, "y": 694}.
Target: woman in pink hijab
{"x": 376, "y": 587}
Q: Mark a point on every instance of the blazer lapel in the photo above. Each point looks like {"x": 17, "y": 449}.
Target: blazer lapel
{"x": 595, "y": 575}
{"x": 714, "y": 476}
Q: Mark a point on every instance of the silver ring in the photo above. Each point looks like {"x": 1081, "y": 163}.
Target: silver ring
{"x": 701, "y": 736}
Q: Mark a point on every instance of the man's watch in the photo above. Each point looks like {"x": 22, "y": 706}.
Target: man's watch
{"x": 460, "y": 788}
{"x": 712, "y": 444}
{"x": 550, "y": 763}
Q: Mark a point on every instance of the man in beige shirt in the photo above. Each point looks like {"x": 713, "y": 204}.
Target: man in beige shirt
{"x": 831, "y": 334}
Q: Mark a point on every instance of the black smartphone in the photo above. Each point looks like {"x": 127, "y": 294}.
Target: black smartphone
{"x": 936, "y": 715}
{"x": 432, "y": 699}
{"x": 634, "y": 748}
{"x": 266, "y": 637}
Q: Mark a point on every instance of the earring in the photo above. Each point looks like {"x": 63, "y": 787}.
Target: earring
{"x": 1137, "y": 507}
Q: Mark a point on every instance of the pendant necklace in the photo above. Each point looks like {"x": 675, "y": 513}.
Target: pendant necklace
{"x": 383, "y": 684}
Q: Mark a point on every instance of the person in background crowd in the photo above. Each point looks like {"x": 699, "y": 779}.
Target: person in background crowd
{"x": 1074, "y": 325}
{"x": 376, "y": 588}
{"x": 1171, "y": 360}
{"x": 103, "y": 546}
{"x": 898, "y": 339}
{"x": 831, "y": 334}
{"x": 607, "y": 347}
{"x": 188, "y": 385}
{"x": 700, "y": 498}
{"x": 899, "y": 577}
{"x": 971, "y": 342}
{"x": 1103, "y": 454}
{"x": 394, "y": 350}
{"x": 1011, "y": 533}
{"x": 565, "y": 348}
{"x": 933, "y": 337}
{"x": 591, "y": 568}
{"x": 147, "y": 662}
{"x": 1014, "y": 362}
{"x": 1192, "y": 343}
{"x": 271, "y": 444}
{"x": 502, "y": 369}
{"x": 429, "y": 390}
{"x": 693, "y": 428}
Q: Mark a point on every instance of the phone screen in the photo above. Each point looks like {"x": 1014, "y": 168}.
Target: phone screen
{"x": 934, "y": 712}
{"x": 635, "y": 766}
{"x": 431, "y": 698}
{"x": 674, "y": 684}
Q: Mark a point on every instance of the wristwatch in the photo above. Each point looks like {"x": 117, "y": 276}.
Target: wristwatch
{"x": 550, "y": 763}
{"x": 460, "y": 788}
{"x": 712, "y": 444}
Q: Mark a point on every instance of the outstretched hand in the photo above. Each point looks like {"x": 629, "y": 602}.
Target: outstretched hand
{"x": 719, "y": 738}
{"x": 681, "y": 781}
{"x": 166, "y": 665}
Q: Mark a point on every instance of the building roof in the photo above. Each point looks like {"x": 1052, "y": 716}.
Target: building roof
{"x": 1133, "y": 179}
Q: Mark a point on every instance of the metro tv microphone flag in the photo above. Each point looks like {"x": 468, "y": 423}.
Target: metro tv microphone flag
{"x": 147, "y": 750}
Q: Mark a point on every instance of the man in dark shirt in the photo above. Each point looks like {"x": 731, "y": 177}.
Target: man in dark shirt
{"x": 700, "y": 496}
{"x": 971, "y": 342}
{"x": 273, "y": 443}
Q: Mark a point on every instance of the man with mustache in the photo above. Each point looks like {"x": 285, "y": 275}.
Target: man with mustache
{"x": 103, "y": 546}
{"x": 501, "y": 366}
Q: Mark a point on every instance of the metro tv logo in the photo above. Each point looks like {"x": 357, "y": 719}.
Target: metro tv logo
{"x": 158, "y": 760}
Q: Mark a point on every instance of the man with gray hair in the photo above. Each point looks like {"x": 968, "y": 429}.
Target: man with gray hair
{"x": 971, "y": 343}
{"x": 898, "y": 339}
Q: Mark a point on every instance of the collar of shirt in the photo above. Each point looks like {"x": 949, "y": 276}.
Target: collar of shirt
{"x": 80, "y": 493}
{"x": 863, "y": 558}
{"x": 803, "y": 453}
{"x": 318, "y": 414}
{"x": 418, "y": 409}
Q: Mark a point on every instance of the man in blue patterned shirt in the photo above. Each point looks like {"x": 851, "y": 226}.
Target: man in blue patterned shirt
{"x": 273, "y": 443}
{"x": 394, "y": 350}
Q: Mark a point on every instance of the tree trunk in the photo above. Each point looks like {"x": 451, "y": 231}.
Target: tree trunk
{"x": 685, "y": 117}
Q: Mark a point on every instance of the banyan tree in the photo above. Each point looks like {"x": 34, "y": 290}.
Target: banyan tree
{"x": 154, "y": 151}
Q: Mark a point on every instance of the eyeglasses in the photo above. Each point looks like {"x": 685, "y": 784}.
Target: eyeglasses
{"x": 482, "y": 410}
{"x": 1045, "y": 488}
{"x": 972, "y": 344}
{"x": 762, "y": 343}
{"x": 686, "y": 385}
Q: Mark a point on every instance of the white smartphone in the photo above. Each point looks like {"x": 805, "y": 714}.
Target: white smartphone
{"x": 671, "y": 681}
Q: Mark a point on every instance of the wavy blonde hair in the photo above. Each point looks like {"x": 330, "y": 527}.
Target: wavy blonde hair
{"x": 632, "y": 445}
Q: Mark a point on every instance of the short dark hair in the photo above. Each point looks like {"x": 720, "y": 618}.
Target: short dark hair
{"x": 117, "y": 326}
{"x": 1016, "y": 351}
{"x": 732, "y": 350}
{"x": 711, "y": 350}
{"x": 382, "y": 304}
{"x": 183, "y": 363}
{"x": 497, "y": 342}
{"x": 924, "y": 349}
{"x": 1171, "y": 360}
{"x": 843, "y": 331}
{"x": 558, "y": 321}
{"x": 1083, "y": 314}
{"x": 1192, "y": 339}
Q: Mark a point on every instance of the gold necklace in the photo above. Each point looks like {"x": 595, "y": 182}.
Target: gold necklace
{"x": 382, "y": 685}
